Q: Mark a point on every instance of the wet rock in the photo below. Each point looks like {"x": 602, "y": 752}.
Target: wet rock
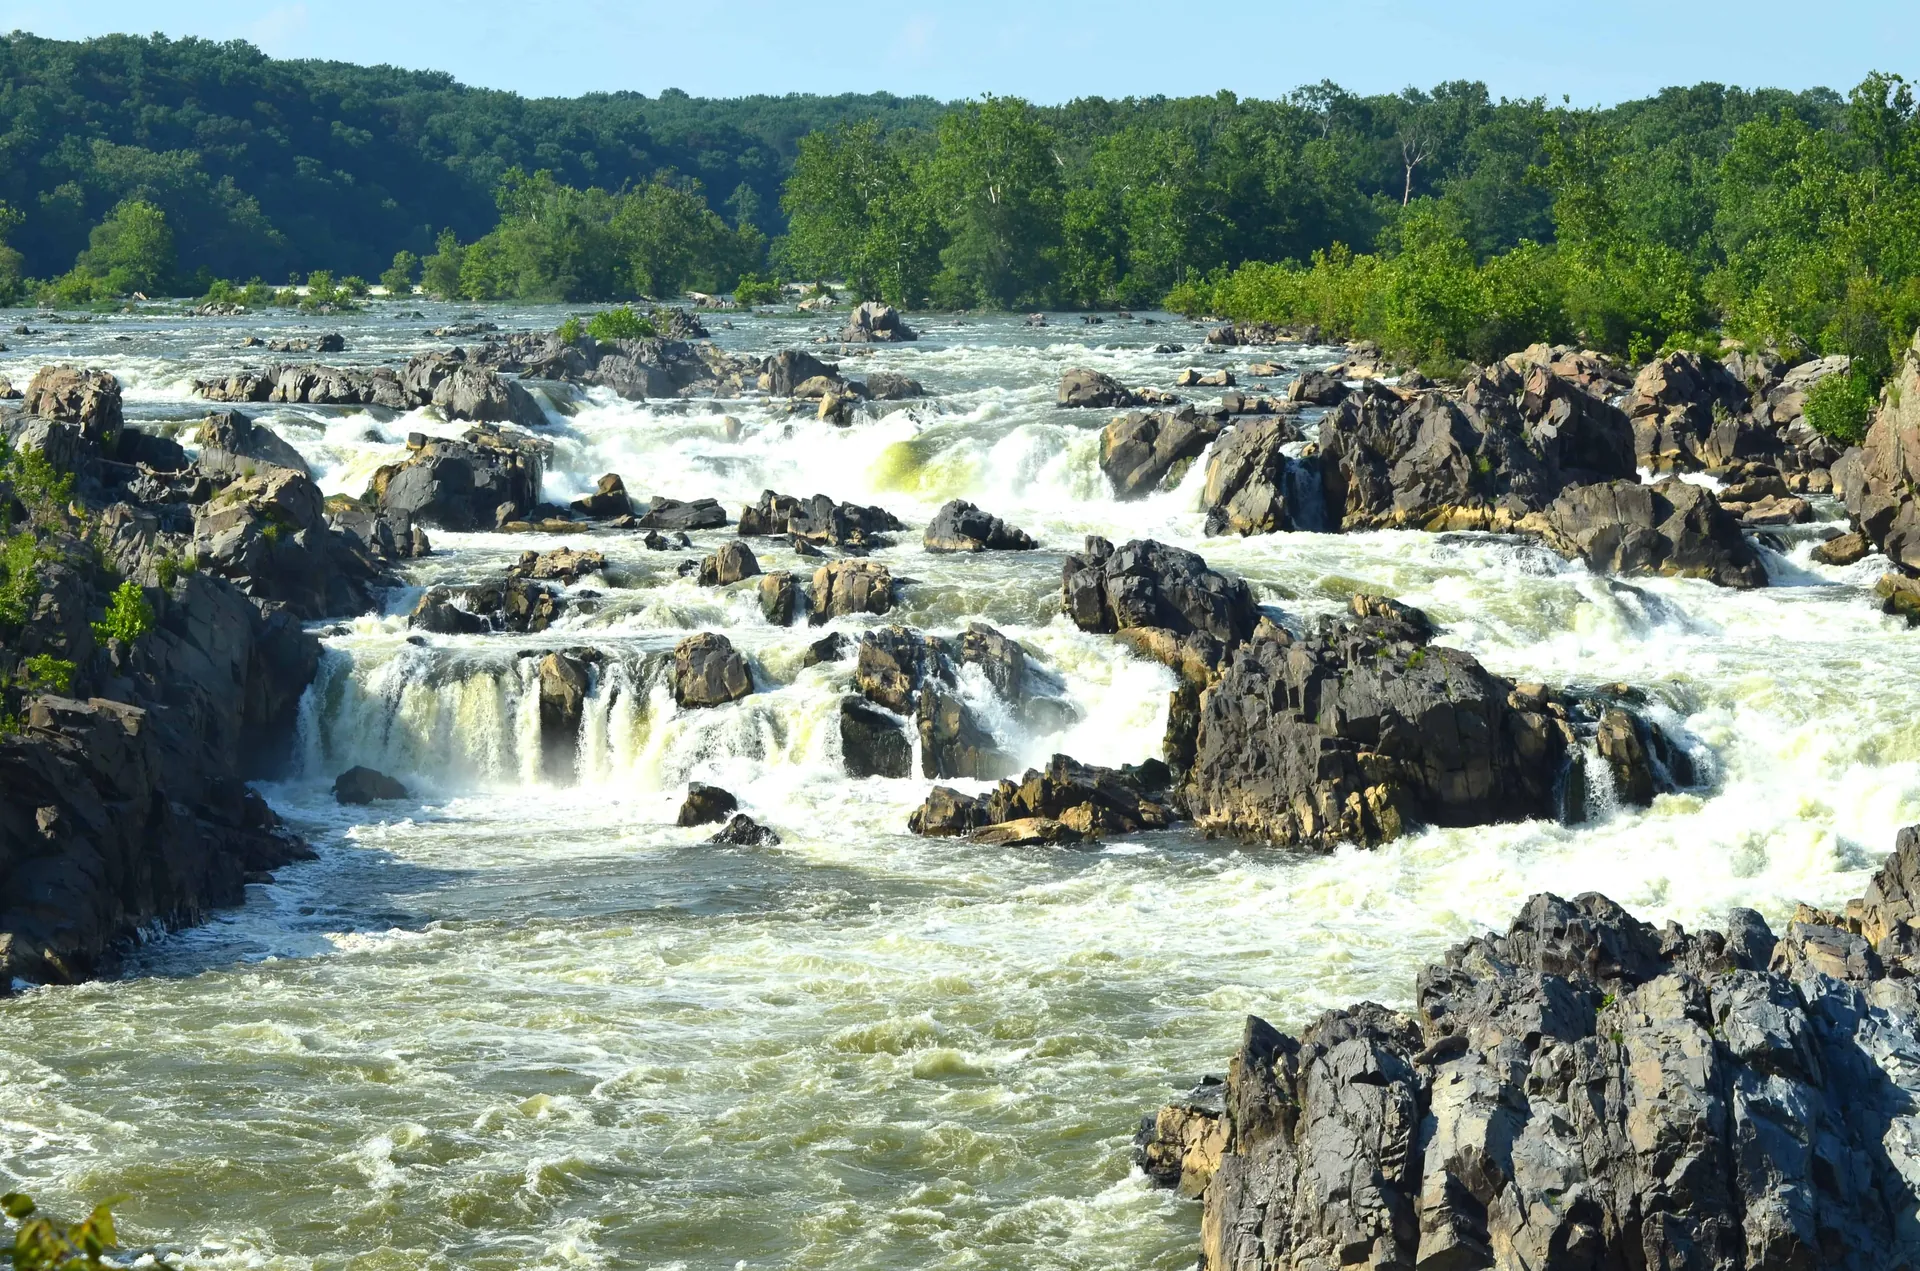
{"x": 953, "y": 741}
{"x": 786, "y": 370}
{"x": 744, "y": 831}
{"x": 891, "y": 665}
{"x": 1140, "y": 451}
{"x": 1317, "y": 388}
{"x": 1032, "y": 831}
{"x": 231, "y": 444}
{"x": 876, "y": 322}
{"x": 1589, "y": 1091}
{"x": 732, "y": 563}
{"x": 1247, "y": 490}
{"x": 564, "y": 681}
{"x": 523, "y": 606}
{"x": 1690, "y": 413}
{"x": 845, "y": 587}
{"x": 675, "y": 514}
{"x": 1180, "y": 1146}
{"x": 608, "y": 500}
{"x": 1085, "y": 388}
{"x": 1845, "y": 549}
{"x": 959, "y": 526}
{"x": 885, "y": 386}
{"x": 73, "y": 395}
{"x": 831, "y": 647}
{"x": 1673, "y": 528}
{"x": 819, "y": 520}
{"x": 383, "y": 534}
{"x": 1090, "y": 801}
{"x": 872, "y": 742}
{"x": 1149, "y": 584}
{"x": 484, "y": 478}
{"x": 364, "y": 785}
{"x": 708, "y": 671}
{"x": 780, "y": 598}
{"x": 1258, "y": 333}
{"x": 706, "y": 805}
{"x": 440, "y": 611}
{"x": 1361, "y": 729}
{"x": 562, "y": 564}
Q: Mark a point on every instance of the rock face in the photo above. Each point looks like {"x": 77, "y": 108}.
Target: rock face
{"x": 73, "y": 395}
{"x": 872, "y": 742}
{"x": 483, "y": 479}
{"x": 564, "y": 684}
{"x": 743, "y": 831}
{"x": 1673, "y": 528}
{"x": 232, "y": 445}
{"x": 1585, "y": 1091}
{"x": 876, "y": 322}
{"x": 709, "y": 671}
{"x": 959, "y": 526}
{"x": 1248, "y": 487}
{"x": 1881, "y": 478}
{"x": 1361, "y": 729}
{"x": 819, "y": 520}
{"x": 365, "y": 785}
{"x": 269, "y": 534}
{"x": 1505, "y": 448}
{"x": 1687, "y": 415}
{"x": 1149, "y": 584}
{"x": 461, "y": 388}
{"x": 845, "y": 587}
{"x": 1067, "y": 802}
{"x": 1140, "y": 451}
{"x": 1082, "y": 387}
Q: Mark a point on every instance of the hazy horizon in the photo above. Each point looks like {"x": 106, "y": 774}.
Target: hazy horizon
{"x": 1048, "y": 55}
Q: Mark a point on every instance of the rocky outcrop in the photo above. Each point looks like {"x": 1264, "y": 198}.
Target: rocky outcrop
{"x": 1880, "y": 480}
{"x": 1691, "y": 413}
{"x": 873, "y": 743}
{"x": 875, "y": 322}
{"x": 1261, "y": 333}
{"x": 270, "y": 536}
{"x": 959, "y": 526}
{"x": 518, "y": 605}
{"x": 562, "y": 565}
{"x": 1362, "y": 728}
{"x": 733, "y": 562}
{"x": 1067, "y": 802}
{"x": 910, "y": 674}
{"x": 706, "y": 805}
{"x": 1317, "y": 388}
{"x": 1142, "y": 452}
{"x": 483, "y": 479}
{"x": 608, "y": 501}
{"x": 1086, "y": 388}
{"x": 1147, "y": 584}
{"x": 565, "y": 680}
{"x": 1253, "y": 487}
{"x": 1585, "y": 1091}
{"x": 676, "y": 514}
{"x": 819, "y": 520}
{"x": 658, "y": 366}
{"x": 232, "y": 445}
{"x": 366, "y": 785}
{"x": 709, "y": 671}
{"x": 85, "y": 397}
{"x": 460, "y": 388}
{"x": 845, "y": 587}
{"x": 1673, "y": 528}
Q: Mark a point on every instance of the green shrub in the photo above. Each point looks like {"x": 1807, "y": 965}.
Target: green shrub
{"x": 44, "y": 671}
{"x": 752, "y": 290}
{"x": 619, "y": 324}
{"x": 129, "y": 616}
{"x": 570, "y": 330}
{"x": 1839, "y": 406}
{"x": 19, "y": 578}
{"x": 41, "y": 1244}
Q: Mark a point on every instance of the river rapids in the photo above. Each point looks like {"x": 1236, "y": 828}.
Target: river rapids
{"x": 526, "y": 1022}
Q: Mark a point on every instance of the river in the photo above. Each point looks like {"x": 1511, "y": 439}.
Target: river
{"x": 514, "y": 1022}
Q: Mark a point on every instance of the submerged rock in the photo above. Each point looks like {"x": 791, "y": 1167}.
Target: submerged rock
{"x": 1584, "y": 1091}
{"x": 744, "y": 831}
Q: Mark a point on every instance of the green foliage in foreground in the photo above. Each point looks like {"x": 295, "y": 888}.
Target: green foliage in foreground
{"x": 619, "y": 324}
{"x": 128, "y": 617}
{"x": 1840, "y": 406}
{"x": 754, "y": 290}
{"x": 42, "y": 1244}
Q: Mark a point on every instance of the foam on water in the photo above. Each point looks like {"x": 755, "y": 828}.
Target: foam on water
{"x": 517, "y": 1021}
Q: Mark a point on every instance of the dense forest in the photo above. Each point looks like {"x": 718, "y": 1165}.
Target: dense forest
{"x": 1445, "y": 223}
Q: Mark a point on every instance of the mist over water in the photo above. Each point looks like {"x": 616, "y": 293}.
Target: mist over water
{"x": 520, "y": 1021}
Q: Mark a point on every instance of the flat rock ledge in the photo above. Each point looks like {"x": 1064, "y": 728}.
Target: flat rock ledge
{"x": 1586, "y": 1091}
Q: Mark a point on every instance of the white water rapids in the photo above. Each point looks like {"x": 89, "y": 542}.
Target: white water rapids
{"x": 520, "y": 1023}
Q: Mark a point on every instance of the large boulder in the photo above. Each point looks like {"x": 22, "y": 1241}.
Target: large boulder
{"x": 270, "y": 535}
{"x": 466, "y": 390}
{"x": 1691, "y": 413}
{"x": 564, "y": 684}
{"x": 232, "y": 444}
{"x": 1673, "y": 527}
{"x": 1141, "y": 452}
{"x": 788, "y": 369}
{"x": 709, "y": 671}
{"x": 1585, "y": 1091}
{"x": 1361, "y": 729}
{"x": 608, "y": 500}
{"x": 674, "y": 514}
{"x": 959, "y": 526}
{"x": 361, "y": 785}
{"x": 908, "y": 673}
{"x": 1317, "y": 388}
{"x": 845, "y": 587}
{"x": 733, "y": 562}
{"x": 476, "y": 482}
{"x": 1880, "y": 480}
{"x": 1248, "y": 487}
{"x": 1081, "y": 387}
{"x": 1149, "y": 584}
{"x": 706, "y": 805}
{"x": 73, "y": 395}
{"x": 873, "y": 743}
{"x": 874, "y": 321}
{"x": 819, "y": 520}
{"x": 1084, "y": 800}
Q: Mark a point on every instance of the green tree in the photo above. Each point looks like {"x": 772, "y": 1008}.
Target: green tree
{"x": 12, "y": 280}
{"x": 440, "y": 272}
{"x": 995, "y": 186}
{"x": 855, "y": 210}
{"x": 132, "y": 250}
{"x": 398, "y": 277}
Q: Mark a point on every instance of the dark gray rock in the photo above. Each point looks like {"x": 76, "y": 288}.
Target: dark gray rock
{"x": 732, "y": 563}
{"x": 872, "y": 742}
{"x": 564, "y": 684}
{"x": 1672, "y": 528}
{"x": 744, "y": 831}
{"x": 780, "y": 598}
{"x": 1085, "y": 388}
{"x": 1149, "y": 584}
{"x": 1140, "y": 451}
{"x": 365, "y": 785}
{"x": 1088, "y": 801}
{"x": 885, "y": 386}
{"x": 706, "y": 805}
{"x": 819, "y": 520}
{"x": 959, "y": 526}
{"x": 875, "y": 322}
{"x": 231, "y": 444}
{"x": 709, "y": 671}
{"x": 674, "y": 514}
{"x": 477, "y": 482}
{"x": 608, "y": 500}
{"x": 1248, "y": 491}
{"x": 1317, "y": 388}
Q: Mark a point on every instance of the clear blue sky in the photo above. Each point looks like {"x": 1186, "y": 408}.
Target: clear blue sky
{"x": 1048, "y": 50}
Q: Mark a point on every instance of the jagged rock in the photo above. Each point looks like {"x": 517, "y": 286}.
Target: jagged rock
{"x": 875, "y": 322}
{"x": 485, "y": 478}
{"x": 1247, "y": 489}
{"x": 1879, "y": 480}
{"x": 520, "y": 605}
{"x": 384, "y": 534}
{"x": 708, "y": 671}
{"x": 1149, "y": 584}
{"x": 564, "y": 682}
{"x": 441, "y": 610}
{"x": 818, "y": 520}
{"x": 1090, "y": 801}
{"x": 885, "y": 386}
{"x": 780, "y": 598}
{"x": 446, "y": 380}
{"x": 959, "y": 526}
{"x": 1586, "y": 1091}
{"x": 1690, "y": 413}
{"x": 1317, "y": 388}
{"x": 744, "y": 831}
{"x": 844, "y": 587}
{"x": 1361, "y": 729}
{"x": 1081, "y": 387}
{"x": 73, "y": 395}
{"x": 231, "y": 444}
{"x": 562, "y": 564}
{"x": 786, "y": 370}
{"x": 1673, "y": 528}
{"x": 608, "y": 500}
{"x": 326, "y": 342}
{"x": 873, "y": 743}
{"x": 667, "y": 365}
{"x": 953, "y": 741}
{"x": 365, "y": 785}
{"x": 673, "y": 514}
{"x": 1139, "y": 451}
{"x": 706, "y": 805}
{"x": 269, "y": 535}
{"x": 1846, "y": 549}
{"x": 732, "y": 563}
